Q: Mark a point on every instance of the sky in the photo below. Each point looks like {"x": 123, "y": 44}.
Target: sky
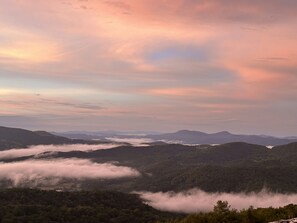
{"x": 150, "y": 65}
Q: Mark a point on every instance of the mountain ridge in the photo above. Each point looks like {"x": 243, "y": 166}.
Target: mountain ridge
{"x": 18, "y": 138}
{"x": 187, "y": 137}
{"x": 198, "y": 137}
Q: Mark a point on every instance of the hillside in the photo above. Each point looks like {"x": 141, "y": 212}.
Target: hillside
{"x": 233, "y": 167}
{"x": 17, "y": 138}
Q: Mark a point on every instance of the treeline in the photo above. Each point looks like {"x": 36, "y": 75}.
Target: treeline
{"x": 36, "y": 206}
{"x": 224, "y": 214}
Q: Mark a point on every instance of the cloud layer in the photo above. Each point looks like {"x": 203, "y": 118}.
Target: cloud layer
{"x": 199, "y": 201}
{"x": 130, "y": 65}
{"x": 36, "y": 150}
{"x": 38, "y": 170}
{"x": 133, "y": 141}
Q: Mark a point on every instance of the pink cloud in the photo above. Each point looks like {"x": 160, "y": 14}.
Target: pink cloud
{"x": 39, "y": 170}
{"x": 108, "y": 46}
{"x": 195, "y": 200}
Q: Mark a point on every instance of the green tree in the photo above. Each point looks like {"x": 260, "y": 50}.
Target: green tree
{"x": 221, "y": 208}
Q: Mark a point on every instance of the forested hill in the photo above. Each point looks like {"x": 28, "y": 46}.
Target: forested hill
{"x": 36, "y": 206}
{"x": 17, "y": 138}
{"x": 232, "y": 167}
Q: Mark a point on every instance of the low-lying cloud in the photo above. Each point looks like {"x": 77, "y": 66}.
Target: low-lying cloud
{"x": 133, "y": 141}
{"x": 38, "y": 149}
{"x": 195, "y": 200}
{"x": 34, "y": 170}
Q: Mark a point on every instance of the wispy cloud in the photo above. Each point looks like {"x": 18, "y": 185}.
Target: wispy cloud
{"x": 199, "y": 201}
{"x": 118, "y": 4}
{"x": 35, "y": 103}
{"x": 171, "y": 54}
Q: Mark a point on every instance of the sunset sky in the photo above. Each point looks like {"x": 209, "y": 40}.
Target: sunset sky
{"x": 158, "y": 65}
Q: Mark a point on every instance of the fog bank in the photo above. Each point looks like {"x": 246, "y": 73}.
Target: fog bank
{"x": 31, "y": 170}
{"x": 133, "y": 141}
{"x": 35, "y": 150}
{"x": 199, "y": 201}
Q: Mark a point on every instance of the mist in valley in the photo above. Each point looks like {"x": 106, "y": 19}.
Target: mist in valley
{"x": 196, "y": 200}
{"x": 39, "y": 149}
{"x": 79, "y": 169}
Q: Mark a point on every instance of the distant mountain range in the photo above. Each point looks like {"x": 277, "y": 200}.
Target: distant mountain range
{"x": 18, "y": 138}
{"x": 186, "y": 137}
{"x": 196, "y": 137}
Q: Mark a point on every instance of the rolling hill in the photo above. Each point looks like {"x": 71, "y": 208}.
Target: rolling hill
{"x": 17, "y": 138}
{"x": 232, "y": 167}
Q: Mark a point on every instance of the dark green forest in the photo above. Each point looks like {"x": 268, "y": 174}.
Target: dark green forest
{"x": 223, "y": 213}
{"x": 26, "y": 205}
{"x": 37, "y": 206}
